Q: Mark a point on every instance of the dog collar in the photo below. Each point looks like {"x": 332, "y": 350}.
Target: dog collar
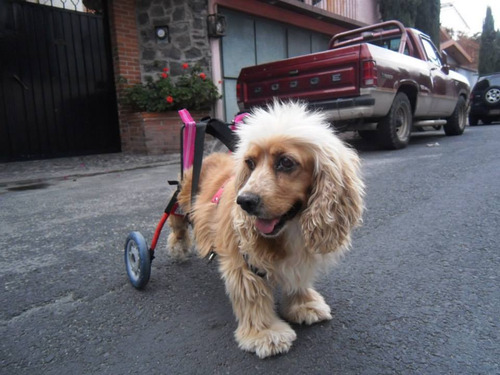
{"x": 211, "y": 256}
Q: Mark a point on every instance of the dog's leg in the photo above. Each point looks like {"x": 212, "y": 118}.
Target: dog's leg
{"x": 260, "y": 330}
{"x": 305, "y": 306}
{"x": 179, "y": 243}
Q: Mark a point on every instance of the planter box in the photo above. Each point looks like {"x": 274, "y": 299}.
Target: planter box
{"x": 153, "y": 133}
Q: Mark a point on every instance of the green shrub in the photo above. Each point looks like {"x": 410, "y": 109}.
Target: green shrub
{"x": 193, "y": 91}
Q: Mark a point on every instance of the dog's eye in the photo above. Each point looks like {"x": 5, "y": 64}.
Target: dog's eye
{"x": 285, "y": 164}
{"x": 250, "y": 164}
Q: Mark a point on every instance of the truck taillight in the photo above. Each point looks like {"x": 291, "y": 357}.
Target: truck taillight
{"x": 369, "y": 73}
{"x": 239, "y": 97}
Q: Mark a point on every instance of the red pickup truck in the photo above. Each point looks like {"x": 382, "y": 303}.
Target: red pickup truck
{"x": 382, "y": 80}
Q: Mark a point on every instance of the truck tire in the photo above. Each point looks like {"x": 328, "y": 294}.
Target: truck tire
{"x": 394, "y": 129}
{"x": 368, "y": 135}
{"x": 456, "y": 122}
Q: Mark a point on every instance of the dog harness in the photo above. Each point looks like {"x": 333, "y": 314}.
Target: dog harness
{"x": 217, "y": 196}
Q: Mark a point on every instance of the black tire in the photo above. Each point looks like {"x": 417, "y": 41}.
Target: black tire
{"x": 458, "y": 119}
{"x": 473, "y": 120}
{"x": 486, "y": 121}
{"x": 368, "y": 135}
{"x": 137, "y": 260}
{"x": 394, "y": 130}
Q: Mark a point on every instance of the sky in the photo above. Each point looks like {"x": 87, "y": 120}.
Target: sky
{"x": 473, "y": 13}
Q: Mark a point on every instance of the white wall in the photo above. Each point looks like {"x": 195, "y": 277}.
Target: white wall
{"x": 367, "y": 11}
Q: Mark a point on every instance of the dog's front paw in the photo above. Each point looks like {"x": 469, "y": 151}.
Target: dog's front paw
{"x": 308, "y": 309}
{"x": 275, "y": 340}
{"x": 179, "y": 248}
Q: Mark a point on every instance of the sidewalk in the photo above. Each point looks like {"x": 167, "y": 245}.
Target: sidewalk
{"x": 37, "y": 171}
{"x": 21, "y": 173}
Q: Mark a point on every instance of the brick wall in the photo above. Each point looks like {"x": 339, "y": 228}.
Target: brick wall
{"x": 137, "y": 54}
{"x": 125, "y": 40}
{"x": 126, "y": 64}
{"x": 155, "y": 133}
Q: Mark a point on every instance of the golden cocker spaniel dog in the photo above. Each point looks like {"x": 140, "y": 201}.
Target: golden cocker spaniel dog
{"x": 275, "y": 212}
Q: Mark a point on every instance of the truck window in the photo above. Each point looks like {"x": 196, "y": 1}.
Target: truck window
{"x": 431, "y": 52}
{"x": 392, "y": 44}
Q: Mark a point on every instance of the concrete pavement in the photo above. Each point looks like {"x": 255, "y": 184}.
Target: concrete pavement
{"x": 23, "y": 174}
{"x": 418, "y": 293}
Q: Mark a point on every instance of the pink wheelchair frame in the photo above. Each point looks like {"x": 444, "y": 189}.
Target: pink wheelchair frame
{"x": 138, "y": 256}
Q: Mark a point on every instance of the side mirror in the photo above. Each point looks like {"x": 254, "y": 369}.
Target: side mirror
{"x": 444, "y": 58}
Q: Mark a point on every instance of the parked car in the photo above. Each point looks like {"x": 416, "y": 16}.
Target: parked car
{"x": 485, "y": 100}
{"x": 382, "y": 80}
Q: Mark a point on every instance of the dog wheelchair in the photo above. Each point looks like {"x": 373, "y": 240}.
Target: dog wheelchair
{"x": 138, "y": 256}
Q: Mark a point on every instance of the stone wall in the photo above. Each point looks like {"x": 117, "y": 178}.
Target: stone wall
{"x": 188, "y": 40}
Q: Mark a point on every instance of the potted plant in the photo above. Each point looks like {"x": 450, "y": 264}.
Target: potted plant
{"x": 154, "y": 125}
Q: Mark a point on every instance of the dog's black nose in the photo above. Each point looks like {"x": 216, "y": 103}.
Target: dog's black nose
{"x": 249, "y": 202}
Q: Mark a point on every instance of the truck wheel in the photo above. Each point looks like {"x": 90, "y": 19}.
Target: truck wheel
{"x": 368, "y": 135}
{"x": 394, "y": 129}
{"x": 456, "y": 122}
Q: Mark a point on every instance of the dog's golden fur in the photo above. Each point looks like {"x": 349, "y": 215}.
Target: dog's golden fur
{"x": 291, "y": 198}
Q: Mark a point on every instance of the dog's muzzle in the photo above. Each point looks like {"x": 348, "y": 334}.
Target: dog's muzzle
{"x": 250, "y": 202}
{"x": 268, "y": 227}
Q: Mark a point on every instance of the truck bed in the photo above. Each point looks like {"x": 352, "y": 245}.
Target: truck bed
{"x": 315, "y": 77}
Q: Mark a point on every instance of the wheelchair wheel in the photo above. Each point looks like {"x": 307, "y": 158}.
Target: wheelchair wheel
{"x": 137, "y": 260}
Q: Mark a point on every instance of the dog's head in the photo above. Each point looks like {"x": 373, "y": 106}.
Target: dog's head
{"x": 291, "y": 165}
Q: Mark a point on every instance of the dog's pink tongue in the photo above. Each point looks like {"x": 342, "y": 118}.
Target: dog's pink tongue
{"x": 266, "y": 226}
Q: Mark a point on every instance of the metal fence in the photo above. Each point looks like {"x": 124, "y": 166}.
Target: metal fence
{"x": 91, "y": 6}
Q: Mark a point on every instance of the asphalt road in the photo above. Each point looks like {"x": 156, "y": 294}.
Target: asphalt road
{"x": 418, "y": 294}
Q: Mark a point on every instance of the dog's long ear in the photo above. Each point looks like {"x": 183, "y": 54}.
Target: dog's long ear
{"x": 335, "y": 205}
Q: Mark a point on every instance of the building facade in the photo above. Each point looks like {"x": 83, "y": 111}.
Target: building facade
{"x": 148, "y": 35}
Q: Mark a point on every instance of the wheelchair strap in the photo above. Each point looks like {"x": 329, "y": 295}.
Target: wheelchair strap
{"x": 222, "y": 132}
{"x": 199, "y": 143}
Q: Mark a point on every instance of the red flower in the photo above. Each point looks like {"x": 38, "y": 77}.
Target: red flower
{"x": 203, "y": 76}
{"x": 185, "y": 66}
{"x": 164, "y": 75}
{"x": 165, "y": 70}
{"x": 169, "y": 100}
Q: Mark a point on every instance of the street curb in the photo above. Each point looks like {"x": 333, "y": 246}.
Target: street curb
{"x": 23, "y": 181}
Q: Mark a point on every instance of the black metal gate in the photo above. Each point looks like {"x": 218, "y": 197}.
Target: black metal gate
{"x": 57, "y": 95}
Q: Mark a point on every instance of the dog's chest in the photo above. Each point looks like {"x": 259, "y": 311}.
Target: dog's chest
{"x": 298, "y": 268}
